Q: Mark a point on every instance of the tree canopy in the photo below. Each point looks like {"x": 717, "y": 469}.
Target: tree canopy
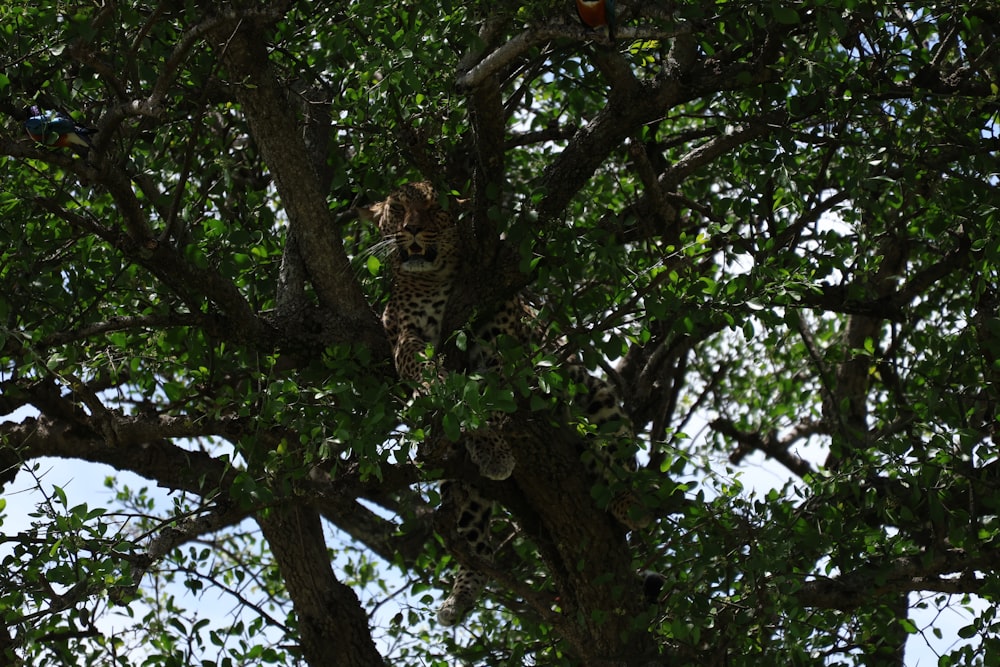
{"x": 772, "y": 226}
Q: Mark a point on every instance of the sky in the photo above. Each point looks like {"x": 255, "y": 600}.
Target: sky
{"x": 85, "y": 482}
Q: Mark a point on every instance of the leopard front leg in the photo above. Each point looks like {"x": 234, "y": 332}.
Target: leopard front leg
{"x": 486, "y": 446}
{"x": 410, "y": 357}
{"x": 472, "y": 524}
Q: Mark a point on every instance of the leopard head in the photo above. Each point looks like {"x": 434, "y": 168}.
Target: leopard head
{"x": 423, "y": 234}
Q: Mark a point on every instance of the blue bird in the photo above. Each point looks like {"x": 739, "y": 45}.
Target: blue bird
{"x": 57, "y": 131}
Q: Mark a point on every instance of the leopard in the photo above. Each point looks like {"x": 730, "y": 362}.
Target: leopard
{"x": 421, "y": 234}
{"x": 424, "y": 261}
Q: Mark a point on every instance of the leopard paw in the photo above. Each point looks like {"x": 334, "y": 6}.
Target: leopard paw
{"x": 468, "y": 586}
{"x": 629, "y": 511}
{"x": 449, "y": 613}
{"x": 491, "y": 454}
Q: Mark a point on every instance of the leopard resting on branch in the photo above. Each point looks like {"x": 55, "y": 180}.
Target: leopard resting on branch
{"x": 425, "y": 258}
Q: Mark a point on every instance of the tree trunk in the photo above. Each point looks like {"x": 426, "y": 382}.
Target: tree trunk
{"x": 600, "y": 594}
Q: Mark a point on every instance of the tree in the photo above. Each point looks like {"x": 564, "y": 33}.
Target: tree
{"x": 771, "y": 225}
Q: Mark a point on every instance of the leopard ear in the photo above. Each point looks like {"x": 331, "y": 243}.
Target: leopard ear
{"x": 370, "y": 213}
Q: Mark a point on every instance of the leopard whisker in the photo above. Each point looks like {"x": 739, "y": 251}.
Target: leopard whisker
{"x": 381, "y": 251}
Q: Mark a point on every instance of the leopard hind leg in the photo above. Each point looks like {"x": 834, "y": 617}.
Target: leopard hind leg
{"x": 610, "y": 456}
{"x": 473, "y": 514}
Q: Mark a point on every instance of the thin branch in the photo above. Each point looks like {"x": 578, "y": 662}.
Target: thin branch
{"x": 769, "y": 444}
{"x": 125, "y": 323}
{"x": 171, "y": 537}
{"x": 714, "y": 148}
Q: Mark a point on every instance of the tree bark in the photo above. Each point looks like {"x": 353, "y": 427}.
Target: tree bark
{"x": 589, "y": 559}
{"x": 276, "y": 130}
{"x": 333, "y": 628}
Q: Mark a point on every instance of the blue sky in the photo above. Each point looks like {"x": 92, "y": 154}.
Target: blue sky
{"x": 85, "y": 483}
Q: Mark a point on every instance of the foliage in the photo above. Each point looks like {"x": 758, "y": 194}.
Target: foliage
{"x": 773, "y": 225}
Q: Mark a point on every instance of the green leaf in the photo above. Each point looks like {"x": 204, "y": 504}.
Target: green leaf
{"x": 968, "y": 631}
{"x": 452, "y": 427}
{"x": 784, "y": 14}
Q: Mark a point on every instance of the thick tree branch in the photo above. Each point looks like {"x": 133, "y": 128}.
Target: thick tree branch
{"x": 275, "y": 129}
{"x": 128, "y": 444}
{"x": 332, "y": 625}
{"x": 551, "y": 480}
{"x": 337, "y": 500}
{"x": 906, "y": 574}
{"x": 560, "y": 28}
{"x": 633, "y": 104}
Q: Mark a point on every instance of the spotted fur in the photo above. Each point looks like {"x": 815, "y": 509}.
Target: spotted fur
{"x": 424, "y": 263}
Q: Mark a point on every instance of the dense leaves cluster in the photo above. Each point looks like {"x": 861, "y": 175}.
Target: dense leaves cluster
{"x": 773, "y": 226}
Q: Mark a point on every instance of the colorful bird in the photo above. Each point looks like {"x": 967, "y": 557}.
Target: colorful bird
{"x": 597, "y": 13}
{"x": 58, "y": 131}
